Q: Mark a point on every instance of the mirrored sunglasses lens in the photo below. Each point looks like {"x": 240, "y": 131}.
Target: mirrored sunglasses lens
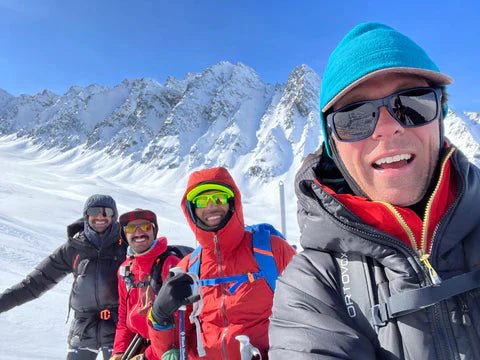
{"x": 355, "y": 122}
{"x": 108, "y": 211}
{"x": 95, "y": 211}
{"x": 146, "y": 227}
{"x": 130, "y": 229}
{"x": 220, "y": 199}
{"x": 415, "y": 107}
{"x": 202, "y": 201}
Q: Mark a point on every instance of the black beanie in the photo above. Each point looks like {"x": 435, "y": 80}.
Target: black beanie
{"x": 98, "y": 200}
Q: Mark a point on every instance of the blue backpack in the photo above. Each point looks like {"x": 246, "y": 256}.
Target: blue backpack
{"x": 262, "y": 251}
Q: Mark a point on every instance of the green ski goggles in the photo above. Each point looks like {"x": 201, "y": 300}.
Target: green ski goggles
{"x": 219, "y": 198}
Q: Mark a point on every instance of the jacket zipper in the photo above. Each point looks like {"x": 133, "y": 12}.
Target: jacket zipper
{"x": 422, "y": 252}
{"x": 97, "y": 271}
{"x": 428, "y": 208}
{"x": 467, "y": 324}
{"x": 441, "y": 311}
{"x": 403, "y": 224}
{"x": 222, "y": 304}
{"x": 427, "y": 267}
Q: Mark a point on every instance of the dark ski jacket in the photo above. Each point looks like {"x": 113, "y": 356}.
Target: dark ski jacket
{"x": 322, "y": 303}
{"x": 94, "y": 294}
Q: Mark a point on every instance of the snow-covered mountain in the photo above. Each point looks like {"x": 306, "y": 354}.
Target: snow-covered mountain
{"x": 225, "y": 115}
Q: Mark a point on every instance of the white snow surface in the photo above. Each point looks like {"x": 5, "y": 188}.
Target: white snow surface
{"x": 137, "y": 142}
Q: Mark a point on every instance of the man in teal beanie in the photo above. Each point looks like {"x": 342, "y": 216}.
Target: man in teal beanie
{"x": 388, "y": 211}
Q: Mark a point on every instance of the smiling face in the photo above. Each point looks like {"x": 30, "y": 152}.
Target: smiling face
{"x": 213, "y": 214}
{"x": 99, "y": 223}
{"x": 395, "y": 164}
{"x": 140, "y": 240}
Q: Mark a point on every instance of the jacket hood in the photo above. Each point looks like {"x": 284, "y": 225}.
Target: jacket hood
{"x": 75, "y": 227}
{"x": 227, "y": 235}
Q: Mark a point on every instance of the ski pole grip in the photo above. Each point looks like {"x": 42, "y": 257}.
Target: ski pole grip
{"x": 175, "y": 271}
{"x": 171, "y": 273}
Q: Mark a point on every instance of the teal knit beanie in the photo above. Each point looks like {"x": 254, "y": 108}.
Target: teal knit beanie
{"x": 367, "y": 50}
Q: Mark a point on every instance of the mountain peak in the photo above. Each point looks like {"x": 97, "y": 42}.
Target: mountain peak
{"x": 225, "y": 115}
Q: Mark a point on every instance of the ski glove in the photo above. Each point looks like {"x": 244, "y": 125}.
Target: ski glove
{"x": 175, "y": 292}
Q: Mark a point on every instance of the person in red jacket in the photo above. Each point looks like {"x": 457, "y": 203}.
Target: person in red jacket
{"x": 213, "y": 207}
{"x": 136, "y": 283}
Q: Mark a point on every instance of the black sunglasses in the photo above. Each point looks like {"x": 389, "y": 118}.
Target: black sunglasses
{"x": 410, "y": 108}
{"x": 95, "y": 211}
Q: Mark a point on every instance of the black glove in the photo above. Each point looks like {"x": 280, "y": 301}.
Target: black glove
{"x": 175, "y": 292}
{"x": 7, "y": 300}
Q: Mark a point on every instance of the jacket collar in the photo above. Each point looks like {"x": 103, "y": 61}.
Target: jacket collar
{"x": 327, "y": 224}
{"x": 403, "y": 223}
{"x": 148, "y": 257}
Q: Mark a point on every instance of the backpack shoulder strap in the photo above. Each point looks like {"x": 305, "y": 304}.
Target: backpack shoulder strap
{"x": 411, "y": 301}
{"x": 262, "y": 251}
{"x": 179, "y": 251}
{"x": 194, "y": 262}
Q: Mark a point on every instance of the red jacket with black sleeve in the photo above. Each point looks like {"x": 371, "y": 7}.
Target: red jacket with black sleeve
{"x": 226, "y": 252}
{"x": 135, "y": 302}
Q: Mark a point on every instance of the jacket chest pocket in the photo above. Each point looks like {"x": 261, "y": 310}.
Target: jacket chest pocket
{"x": 82, "y": 266}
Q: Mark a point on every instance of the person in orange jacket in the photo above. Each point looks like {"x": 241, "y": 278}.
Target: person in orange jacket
{"x": 213, "y": 208}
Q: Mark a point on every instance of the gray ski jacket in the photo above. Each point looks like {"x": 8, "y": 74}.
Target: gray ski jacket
{"x": 323, "y": 300}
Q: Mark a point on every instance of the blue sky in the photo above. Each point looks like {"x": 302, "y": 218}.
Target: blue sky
{"x": 56, "y": 44}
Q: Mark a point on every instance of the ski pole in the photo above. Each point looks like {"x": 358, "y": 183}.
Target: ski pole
{"x": 247, "y": 350}
{"x": 196, "y": 310}
{"x": 182, "y": 340}
{"x": 181, "y": 321}
{"x": 133, "y": 348}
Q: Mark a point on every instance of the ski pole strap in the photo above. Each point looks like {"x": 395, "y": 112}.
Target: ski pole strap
{"x": 196, "y": 310}
{"x": 414, "y": 300}
{"x": 236, "y": 279}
